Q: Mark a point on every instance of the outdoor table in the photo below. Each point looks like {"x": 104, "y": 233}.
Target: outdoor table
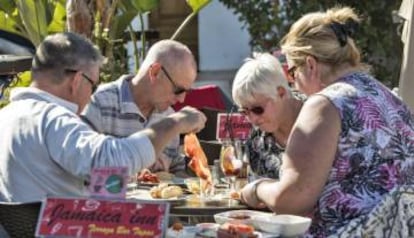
{"x": 190, "y": 206}
{"x": 193, "y": 206}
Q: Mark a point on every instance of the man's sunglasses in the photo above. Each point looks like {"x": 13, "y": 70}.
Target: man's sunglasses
{"x": 93, "y": 85}
{"x": 258, "y": 110}
{"x": 177, "y": 89}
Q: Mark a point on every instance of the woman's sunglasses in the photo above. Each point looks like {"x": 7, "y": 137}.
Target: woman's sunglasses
{"x": 291, "y": 73}
{"x": 258, "y": 110}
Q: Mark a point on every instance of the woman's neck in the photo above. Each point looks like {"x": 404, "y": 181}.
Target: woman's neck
{"x": 333, "y": 76}
{"x": 281, "y": 135}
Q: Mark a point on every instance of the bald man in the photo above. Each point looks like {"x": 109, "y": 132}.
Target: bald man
{"x": 134, "y": 102}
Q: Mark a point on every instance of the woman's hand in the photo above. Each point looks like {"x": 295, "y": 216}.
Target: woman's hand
{"x": 248, "y": 195}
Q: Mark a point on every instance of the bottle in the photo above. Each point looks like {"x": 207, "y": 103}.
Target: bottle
{"x": 216, "y": 172}
{"x": 245, "y": 159}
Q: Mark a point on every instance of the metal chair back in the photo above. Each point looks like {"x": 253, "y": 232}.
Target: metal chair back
{"x": 19, "y": 219}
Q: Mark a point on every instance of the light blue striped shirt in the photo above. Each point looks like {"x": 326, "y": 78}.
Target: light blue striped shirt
{"x": 46, "y": 149}
{"x": 112, "y": 111}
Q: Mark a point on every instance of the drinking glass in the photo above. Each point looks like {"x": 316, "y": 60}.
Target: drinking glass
{"x": 231, "y": 162}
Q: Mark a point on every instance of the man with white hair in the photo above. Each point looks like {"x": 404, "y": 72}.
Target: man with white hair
{"x": 134, "y": 102}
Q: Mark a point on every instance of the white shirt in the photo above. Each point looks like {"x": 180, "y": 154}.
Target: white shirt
{"x": 46, "y": 149}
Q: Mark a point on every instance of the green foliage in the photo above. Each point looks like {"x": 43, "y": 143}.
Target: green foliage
{"x": 197, "y": 5}
{"x": 32, "y": 19}
{"x": 35, "y": 19}
{"x": 269, "y": 20}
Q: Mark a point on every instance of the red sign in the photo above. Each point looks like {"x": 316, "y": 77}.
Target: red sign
{"x": 234, "y": 125}
{"x": 83, "y": 217}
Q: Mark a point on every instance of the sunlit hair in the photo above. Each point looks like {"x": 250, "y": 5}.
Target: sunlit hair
{"x": 314, "y": 35}
{"x": 262, "y": 75}
{"x": 65, "y": 51}
{"x": 173, "y": 55}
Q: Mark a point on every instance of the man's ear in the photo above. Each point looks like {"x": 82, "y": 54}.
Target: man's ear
{"x": 74, "y": 83}
{"x": 154, "y": 70}
{"x": 281, "y": 91}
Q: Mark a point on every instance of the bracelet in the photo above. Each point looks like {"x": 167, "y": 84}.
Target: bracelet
{"x": 256, "y": 197}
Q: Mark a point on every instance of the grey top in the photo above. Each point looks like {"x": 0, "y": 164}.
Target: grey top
{"x": 46, "y": 149}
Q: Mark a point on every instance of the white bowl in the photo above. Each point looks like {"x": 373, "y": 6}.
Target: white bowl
{"x": 239, "y": 216}
{"x": 283, "y": 225}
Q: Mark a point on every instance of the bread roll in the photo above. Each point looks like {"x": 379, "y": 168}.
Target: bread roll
{"x": 171, "y": 191}
{"x": 155, "y": 192}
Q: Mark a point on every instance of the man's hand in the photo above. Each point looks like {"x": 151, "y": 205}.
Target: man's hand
{"x": 184, "y": 121}
{"x": 190, "y": 119}
{"x": 161, "y": 164}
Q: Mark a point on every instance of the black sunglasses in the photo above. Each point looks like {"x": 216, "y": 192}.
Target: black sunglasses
{"x": 177, "y": 89}
{"x": 258, "y": 110}
{"x": 93, "y": 85}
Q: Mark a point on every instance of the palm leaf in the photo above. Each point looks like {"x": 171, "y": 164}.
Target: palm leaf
{"x": 144, "y": 5}
{"x": 7, "y": 5}
{"x": 197, "y": 5}
{"x": 33, "y": 14}
{"x": 58, "y": 21}
{"x": 8, "y": 24}
{"x": 120, "y": 24}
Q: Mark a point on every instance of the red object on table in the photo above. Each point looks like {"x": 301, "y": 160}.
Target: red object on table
{"x": 209, "y": 96}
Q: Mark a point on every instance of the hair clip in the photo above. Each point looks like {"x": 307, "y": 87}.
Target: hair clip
{"x": 340, "y": 32}
{"x": 351, "y": 27}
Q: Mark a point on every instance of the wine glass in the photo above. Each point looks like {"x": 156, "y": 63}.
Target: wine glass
{"x": 231, "y": 163}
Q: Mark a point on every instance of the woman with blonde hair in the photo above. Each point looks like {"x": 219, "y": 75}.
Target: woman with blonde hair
{"x": 353, "y": 141}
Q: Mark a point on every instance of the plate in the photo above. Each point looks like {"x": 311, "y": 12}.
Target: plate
{"x": 258, "y": 234}
{"x": 240, "y": 216}
{"x": 173, "y": 199}
{"x": 187, "y": 231}
{"x": 174, "y": 181}
{"x": 147, "y": 184}
{"x": 131, "y": 186}
{"x": 145, "y": 196}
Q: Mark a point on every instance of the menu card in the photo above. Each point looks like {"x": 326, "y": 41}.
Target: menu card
{"x": 85, "y": 217}
{"x": 232, "y": 126}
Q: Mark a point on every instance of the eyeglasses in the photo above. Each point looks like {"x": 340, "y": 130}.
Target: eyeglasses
{"x": 177, "y": 89}
{"x": 258, "y": 110}
{"x": 291, "y": 72}
{"x": 93, "y": 85}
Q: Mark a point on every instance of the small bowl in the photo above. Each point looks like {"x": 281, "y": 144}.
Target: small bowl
{"x": 283, "y": 225}
{"x": 207, "y": 230}
{"x": 239, "y": 216}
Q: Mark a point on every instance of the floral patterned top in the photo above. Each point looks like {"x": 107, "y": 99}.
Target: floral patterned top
{"x": 265, "y": 155}
{"x": 375, "y": 152}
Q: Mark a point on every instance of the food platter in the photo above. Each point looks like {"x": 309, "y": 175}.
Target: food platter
{"x": 173, "y": 181}
{"x": 145, "y": 196}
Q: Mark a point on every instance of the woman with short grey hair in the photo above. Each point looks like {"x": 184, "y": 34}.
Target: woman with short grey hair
{"x": 261, "y": 91}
